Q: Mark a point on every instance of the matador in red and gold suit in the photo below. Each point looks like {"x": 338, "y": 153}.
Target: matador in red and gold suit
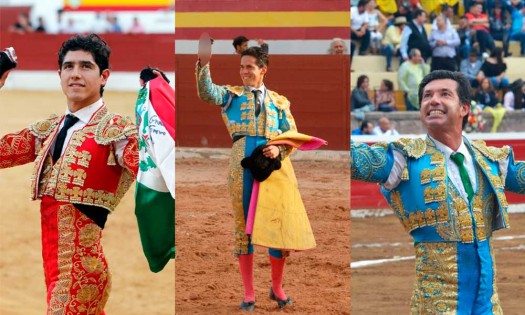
{"x": 98, "y": 164}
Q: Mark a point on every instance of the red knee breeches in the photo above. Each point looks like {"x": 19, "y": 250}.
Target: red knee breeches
{"x": 76, "y": 272}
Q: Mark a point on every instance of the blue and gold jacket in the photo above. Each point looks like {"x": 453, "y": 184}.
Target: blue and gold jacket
{"x": 237, "y": 103}
{"x": 427, "y": 203}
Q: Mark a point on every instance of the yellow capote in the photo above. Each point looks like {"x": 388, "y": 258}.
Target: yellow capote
{"x": 281, "y": 221}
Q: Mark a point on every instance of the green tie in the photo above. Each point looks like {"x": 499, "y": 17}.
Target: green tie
{"x": 458, "y": 158}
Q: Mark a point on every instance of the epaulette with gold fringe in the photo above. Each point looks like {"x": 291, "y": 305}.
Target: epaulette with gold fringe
{"x": 492, "y": 153}
{"x": 412, "y": 147}
{"x": 237, "y": 90}
{"x": 279, "y": 101}
{"x": 43, "y": 128}
{"x": 113, "y": 128}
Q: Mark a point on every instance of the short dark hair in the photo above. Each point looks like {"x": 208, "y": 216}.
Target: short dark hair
{"x": 361, "y": 79}
{"x": 364, "y": 124}
{"x": 362, "y": 3}
{"x": 259, "y": 54}
{"x": 237, "y": 41}
{"x": 389, "y": 84}
{"x": 463, "y": 88}
{"x": 419, "y": 12}
{"x": 91, "y": 43}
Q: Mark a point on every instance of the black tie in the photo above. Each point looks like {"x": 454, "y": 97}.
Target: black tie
{"x": 257, "y": 102}
{"x": 59, "y": 144}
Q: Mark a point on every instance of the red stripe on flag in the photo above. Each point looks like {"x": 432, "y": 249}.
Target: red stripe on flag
{"x": 267, "y": 33}
{"x": 258, "y": 5}
{"x": 162, "y": 99}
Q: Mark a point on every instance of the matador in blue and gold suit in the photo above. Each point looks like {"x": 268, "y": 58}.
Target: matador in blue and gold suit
{"x": 455, "y": 266}
{"x": 247, "y": 131}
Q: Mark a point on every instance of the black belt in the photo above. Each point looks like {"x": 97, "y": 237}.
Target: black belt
{"x": 237, "y": 137}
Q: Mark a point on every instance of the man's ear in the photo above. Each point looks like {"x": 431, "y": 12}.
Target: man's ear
{"x": 264, "y": 70}
{"x": 105, "y": 75}
{"x": 59, "y": 73}
{"x": 465, "y": 109}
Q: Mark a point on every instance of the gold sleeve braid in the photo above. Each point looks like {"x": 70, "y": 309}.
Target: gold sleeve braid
{"x": 130, "y": 156}
{"x": 17, "y": 149}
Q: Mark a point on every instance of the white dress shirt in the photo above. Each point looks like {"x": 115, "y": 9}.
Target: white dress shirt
{"x": 262, "y": 96}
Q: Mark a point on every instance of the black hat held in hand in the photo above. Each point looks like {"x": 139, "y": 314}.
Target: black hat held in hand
{"x": 260, "y": 165}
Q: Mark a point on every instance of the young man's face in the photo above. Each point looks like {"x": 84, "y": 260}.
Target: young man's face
{"x": 242, "y": 47}
{"x": 440, "y": 107}
{"x": 250, "y": 72}
{"x": 81, "y": 79}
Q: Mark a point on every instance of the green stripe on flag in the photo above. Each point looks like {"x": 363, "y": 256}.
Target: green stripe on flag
{"x": 155, "y": 213}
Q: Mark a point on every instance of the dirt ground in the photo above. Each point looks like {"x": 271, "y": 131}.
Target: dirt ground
{"x": 387, "y": 288}
{"x": 207, "y": 274}
{"x": 135, "y": 289}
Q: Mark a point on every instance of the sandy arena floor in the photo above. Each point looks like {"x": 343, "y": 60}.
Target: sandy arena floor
{"x": 207, "y": 274}
{"x": 135, "y": 290}
{"x": 387, "y": 288}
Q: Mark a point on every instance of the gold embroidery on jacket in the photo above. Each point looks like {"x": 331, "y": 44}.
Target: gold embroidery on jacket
{"x": 435, "y": 194}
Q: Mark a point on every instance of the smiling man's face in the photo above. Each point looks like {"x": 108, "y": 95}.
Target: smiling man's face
{"x": 81, "y": 79}
{"x": 440, "y": 107}
{"x": 251, "y": 74}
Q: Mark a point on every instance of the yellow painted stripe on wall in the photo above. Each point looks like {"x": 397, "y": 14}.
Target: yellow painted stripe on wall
{"x": 126, "y": 3}
{"x": 263, "y": 19}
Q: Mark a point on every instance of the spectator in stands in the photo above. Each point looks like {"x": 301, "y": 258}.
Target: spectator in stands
{"x": 404, "y": 11}
{"x": 359, "y": 26}
{"x": 100, "y": 24}
{"x": 506, "y": 6}
{"x": 41, "y": 27}
{"x": 385, "y": 100}
{"x": 517, "y": 32}
{"x": 385, "y": 128}
{"x": 240, "y": 43}
{"x": 467, "y": 38}
{"x": 486, "y": 95}
{"x": 471, "y": 67}
{"x": 365, "y": 129}
{"x": 22, "y": 25}
{"x": 516, "y": 5}
{"x": 410, "y": 74}
{"x": 444, "y": 41}
{"x": 360, "y": 101}
{"x": 136, "y": 27}
{"x": 514, "y": 99}
{"x": 479, "y": 22}
{"x": 113, "y": 24}
{"x": 494, "y": 68}
{"x": 415, "y": 36}
{"x": 376, "y": 25}
{"x": 337, "y": 47}
{"x": 448, "y": 14}
{"x": 392, "y": 40}
{"x": 70, "y": 27}
{"x": 500, "y": 27}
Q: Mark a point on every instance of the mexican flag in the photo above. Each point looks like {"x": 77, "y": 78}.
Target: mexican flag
{"x": 155, "y": 189}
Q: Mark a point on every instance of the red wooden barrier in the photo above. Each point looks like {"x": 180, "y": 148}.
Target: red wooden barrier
{"x": 317, "y": 87}
{"x": 129, "y": 52}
